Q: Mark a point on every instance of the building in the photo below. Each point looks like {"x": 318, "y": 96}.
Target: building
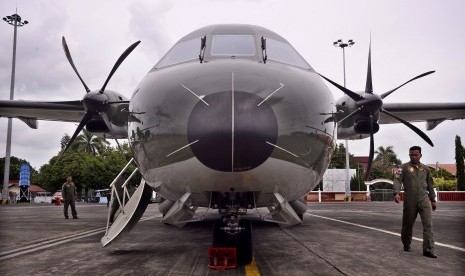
{"x": 450, "y": 168}
{"x": 334, "y": 180}
{"x": 14, "y": 192}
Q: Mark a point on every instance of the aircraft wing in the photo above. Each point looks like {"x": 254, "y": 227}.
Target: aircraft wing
{"x": 66, "y": 111}
{"x": 431, "y": 113}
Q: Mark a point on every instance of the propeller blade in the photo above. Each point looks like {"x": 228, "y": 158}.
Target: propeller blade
{"x": 106, "y": 119}
{"x": 369, "y": 85}
{"x": 417, "y": 77}
{"x": 412, "y": 127}
{"x": 356, "y": 111}
{"x": 68, "y": 56}
{"x": 87, "y": 117}
{"x": 354, "y": 96}
{"x": 118, "y": 63}
{"x": 118, "y": 102}
{"x": 119, "y": 146}
{"x": 372, "y": 149}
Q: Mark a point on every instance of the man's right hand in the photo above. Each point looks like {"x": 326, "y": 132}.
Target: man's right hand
{"x": 397, "y": 198}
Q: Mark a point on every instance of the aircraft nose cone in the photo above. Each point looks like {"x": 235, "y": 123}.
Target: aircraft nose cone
{"x": 232, "y": 131}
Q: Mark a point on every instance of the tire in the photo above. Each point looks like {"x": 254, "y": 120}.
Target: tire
{"x": 220, "y": 238}
{"x": 244, "y": 244}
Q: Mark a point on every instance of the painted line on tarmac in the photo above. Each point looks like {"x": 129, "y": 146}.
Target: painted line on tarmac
{"x": 46, "y": 244}
{"x": 252, "y": 269}
{"x": 386, "y": 232}
{"x": 54, "y": 242}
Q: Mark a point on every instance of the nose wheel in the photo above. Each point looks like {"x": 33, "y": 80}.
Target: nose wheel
{"x": 234, "y": 236}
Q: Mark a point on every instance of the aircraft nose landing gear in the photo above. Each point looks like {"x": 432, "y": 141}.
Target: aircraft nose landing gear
{"x": 231, "y": 237}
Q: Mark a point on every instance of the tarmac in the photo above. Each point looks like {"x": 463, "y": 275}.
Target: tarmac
{"x": 355, "y": 238}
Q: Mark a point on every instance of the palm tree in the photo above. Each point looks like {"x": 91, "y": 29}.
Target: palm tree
{"x": 386, "y": 156}
{"x": 64, "y": 141}
{"x": 90, "y": 143}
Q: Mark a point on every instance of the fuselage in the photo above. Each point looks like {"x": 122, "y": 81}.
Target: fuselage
{"x": 245, "y": 117}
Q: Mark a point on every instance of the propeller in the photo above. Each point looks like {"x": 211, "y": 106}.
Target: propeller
{"x": 95, "y": 102}
{"x": 369, "y": 105}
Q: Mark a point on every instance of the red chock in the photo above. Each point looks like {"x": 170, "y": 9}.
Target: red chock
{"x": 221, "y": 258}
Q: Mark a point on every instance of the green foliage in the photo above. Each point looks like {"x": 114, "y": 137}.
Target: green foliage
{"x": 338, "y": 159}
{"x": 386, "y": 159}
{"x": 378, "y": 172}
{"x": 442, "y": 173}
{"x": 357, "y": 183}
{"x": 15, "y": 164}
{"x": 92, "y": 163}
{"x": 89, "y": 171}
{"x": 89, "y": 143}
{"x": 445, "y": 184}
{"x": 459, "y": 161}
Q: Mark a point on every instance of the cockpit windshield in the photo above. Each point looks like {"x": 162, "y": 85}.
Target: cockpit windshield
{"x": 233, "y": 45}
{"x": 181, "y": 52}
{"x": 285, "y": 53}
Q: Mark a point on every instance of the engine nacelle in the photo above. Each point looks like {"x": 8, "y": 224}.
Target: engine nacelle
{"x": 110, "y": 114}
{"x": 97, "y": 126}
{"x": 359, "y": 130}
{"x": 363, "y": 127}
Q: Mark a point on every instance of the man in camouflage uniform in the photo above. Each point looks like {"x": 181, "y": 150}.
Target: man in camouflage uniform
{"x": 68, "y": 192}
{"x": 419, "y": 198}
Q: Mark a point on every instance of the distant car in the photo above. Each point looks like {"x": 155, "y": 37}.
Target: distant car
{"x": 57, "y": 196}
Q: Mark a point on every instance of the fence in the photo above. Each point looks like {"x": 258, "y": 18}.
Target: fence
{"x": 451, "y": 196}
{"x": 320, "y": 196}
{"x": 334, "y": 196}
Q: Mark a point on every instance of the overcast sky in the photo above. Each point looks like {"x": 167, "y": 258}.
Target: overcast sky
{"x": 408, "y": 38}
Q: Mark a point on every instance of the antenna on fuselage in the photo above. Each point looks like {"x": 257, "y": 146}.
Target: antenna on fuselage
{"x": 264, "y": 55}
{"x": 203, "y": 42}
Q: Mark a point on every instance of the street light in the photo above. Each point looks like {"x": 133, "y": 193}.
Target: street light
{"x": 341, "y": 44}
{"x": 15, "y": 21}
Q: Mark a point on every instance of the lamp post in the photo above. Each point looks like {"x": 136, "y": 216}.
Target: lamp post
{"x": 15, "y": 21}
{"x": 341, "y": 44}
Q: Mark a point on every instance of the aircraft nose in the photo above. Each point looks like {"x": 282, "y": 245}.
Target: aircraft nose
{"x": 230, "y": 131}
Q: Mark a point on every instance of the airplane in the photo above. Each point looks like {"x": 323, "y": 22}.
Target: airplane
{"x": 231, "y": 119}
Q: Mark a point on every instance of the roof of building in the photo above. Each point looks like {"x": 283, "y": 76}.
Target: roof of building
{"x": 33, "y": 188}
{"x": 451, "y": 168}
{"x": 362, "y": 159}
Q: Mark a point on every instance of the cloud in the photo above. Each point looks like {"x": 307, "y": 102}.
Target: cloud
{"x": 148, "y": 20}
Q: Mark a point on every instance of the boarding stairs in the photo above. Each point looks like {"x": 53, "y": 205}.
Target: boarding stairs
{"x": 126, "y": 207}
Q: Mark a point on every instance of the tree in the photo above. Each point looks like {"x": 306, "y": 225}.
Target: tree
{"x": 338, "y": 159}
{"x": 443, "y": 184}
{"x": 459, "y": 162}
{"x": 89, "y": 171}
{"x": 387, "y": 157}
{"x": 384, "y": 162}
{"x": 15, "y": 164}
{"x": 64, "y": 141}
{"x": 357, "y": 182}
{"x": 89, "y": 142}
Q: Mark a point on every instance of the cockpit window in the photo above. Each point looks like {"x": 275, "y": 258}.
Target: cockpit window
{"x": 233, "y": 45}
{"x": 181, "y": 52}
{"x": 285, "y": 53}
